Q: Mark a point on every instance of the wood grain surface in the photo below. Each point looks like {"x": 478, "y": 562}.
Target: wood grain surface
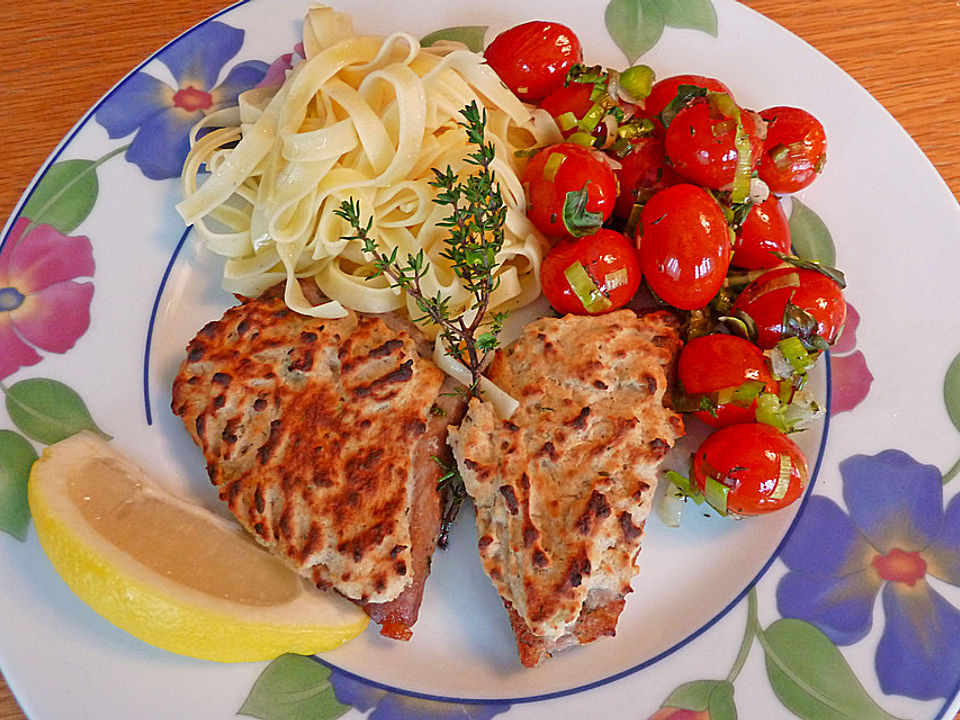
{"x": 58, "y": 57}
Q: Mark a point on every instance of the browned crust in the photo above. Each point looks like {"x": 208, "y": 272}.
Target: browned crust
{"x": 562, "y": 488}
{"x": 317, "y": 434}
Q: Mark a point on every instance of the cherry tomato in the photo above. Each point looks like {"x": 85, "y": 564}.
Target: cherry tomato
{"x": 713, "y": 363}
{"x": 642, "y": 172}
{"x": 574, "y": 99}
{"x": 770, "y": 298}
{"x": 764, "y": 232}
{"x": 794, "y": 150}
{"x": 700, "y": 143}
{"x": 763, "y": 469}
{"x": 611, "y": 273}
{"x": 684, "y": 245}
{"x": 568, "y": 168}
{"x": 532, "y": 59}
{"x": 664, "y": 91}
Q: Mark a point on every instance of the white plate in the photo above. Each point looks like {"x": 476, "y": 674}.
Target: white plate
{"x": 894, "y": 225}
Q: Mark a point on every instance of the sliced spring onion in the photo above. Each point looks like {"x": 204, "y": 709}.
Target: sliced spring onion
{"x": 741, "y": 178}
{"x": 567, "y": 121}
{"x": 586, "y": 290}
{"x": 637, "y": 81}
{"x": 683, "y": 484}
{"x": 770, "y": 412}
{"x": 552, "y": 166}
{"x": 582, "y": 138}
{"x": 796, "y": 354}
{"x": 716, "y": 494}
{"x": 670, "y": 506}
{"x": 742, "y": 395}
{"x": 783, "y": 479}
{"x": 612, "y": 281}
{"x": 780, "y": 155}
{"x": 592, "y": 117}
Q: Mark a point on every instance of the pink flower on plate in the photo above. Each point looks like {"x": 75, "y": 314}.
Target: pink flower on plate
{"x": 41, "y": 304}
{"x": 851, "y": 378}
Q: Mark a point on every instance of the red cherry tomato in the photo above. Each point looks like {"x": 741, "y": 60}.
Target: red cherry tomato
{"x": 532, "y": 59}
{"x": 768, "y": 299}
{"x": 710, "y": 364}
{"x": 764, "y": 232}
{"x": 664, "y": 91}
{"x": 575, "y": 100}
{"x": 700, "y": 143}
{"x": 684, "y": 245}
{"x": 762, "y": 468}
{"x": 642, "y": 172}
{"x": 568, "y": 168}
{"x": 794, "y": 150}
{"x": 611, "y": 273}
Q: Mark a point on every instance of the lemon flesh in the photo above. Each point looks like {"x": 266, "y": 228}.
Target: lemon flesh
{"x": 170, "y": 572}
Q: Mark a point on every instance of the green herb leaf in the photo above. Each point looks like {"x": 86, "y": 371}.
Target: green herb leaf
{"x": 576, "y": 218}
{"x": 16, "y": 458}
{"x": 293, "y": 687}
{"x": 48, "y": 411}
{"x": 692, "y": 14}
{"x": 951, "y": 391}
{"x": 634, "y": 25}
{"x": 811, "y": 677}
{"x": 809, "y": 235}
{"x": 64, "y": 196}
{"x": 470, "y": 35}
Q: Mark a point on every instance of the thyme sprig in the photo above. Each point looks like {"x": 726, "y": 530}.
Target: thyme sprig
{"x": 475, "y": 225}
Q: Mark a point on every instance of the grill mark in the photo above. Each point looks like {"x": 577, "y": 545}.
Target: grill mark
{"x": 597, "y": 508}
{"x": 510, "y": 498}
{"x": 270, "y": 444}
{"x": 386, "y": 349}
{"x": 580, "y": 421}
{"x": 630, "y": 531}
{"x": 401, "y": 375}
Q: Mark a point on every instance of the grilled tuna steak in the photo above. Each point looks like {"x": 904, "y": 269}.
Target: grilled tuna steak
{"x": 320, "y": 436}
{"x": 563, "y": 487}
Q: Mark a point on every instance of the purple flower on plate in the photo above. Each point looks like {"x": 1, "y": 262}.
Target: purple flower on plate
{"x": 852, "y": 378}
{"x": 393, "y": 706}
{"x": 896, "y": 536}
{"x": 41, "y": 305}
{"x": 162, "y": 115}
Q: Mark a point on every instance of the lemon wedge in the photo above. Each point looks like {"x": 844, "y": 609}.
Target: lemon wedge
{"x": 168, "y": 571}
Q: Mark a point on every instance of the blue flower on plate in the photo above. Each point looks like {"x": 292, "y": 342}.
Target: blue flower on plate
{"x": 162, "y": 115}
{"x": 393, "y": 706}
{"x": 896, "y": 537}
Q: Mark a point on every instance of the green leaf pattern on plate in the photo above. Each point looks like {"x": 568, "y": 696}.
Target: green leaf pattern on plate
{"x": 293, "y": 687}
{"x": 811, "y": 677}
{"x": 470, "y": 35}
{"x": 48, "y": 411}
{"x": 637, "y": 25}
{"x": 65, "y": 195}
{"x": 16, "y": 458}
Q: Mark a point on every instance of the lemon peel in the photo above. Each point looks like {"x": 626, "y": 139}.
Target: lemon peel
{"x": 168, "y": 571}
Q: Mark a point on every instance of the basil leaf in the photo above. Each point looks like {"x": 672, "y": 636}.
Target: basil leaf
{"x": 576, "y": 218}
{"x": 809, "y": 235}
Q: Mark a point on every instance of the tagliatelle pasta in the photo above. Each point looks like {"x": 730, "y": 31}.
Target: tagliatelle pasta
{"x": 365, "y": 118}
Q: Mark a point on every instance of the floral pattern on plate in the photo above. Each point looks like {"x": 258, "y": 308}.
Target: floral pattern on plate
{"x": 888, "y": 541}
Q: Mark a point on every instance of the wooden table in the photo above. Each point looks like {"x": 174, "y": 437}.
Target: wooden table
{"x": 59, "y": 56}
